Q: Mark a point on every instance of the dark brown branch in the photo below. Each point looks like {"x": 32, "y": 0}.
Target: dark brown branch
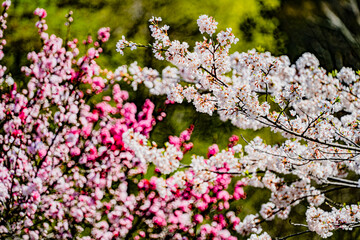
{"x": 293, "y": 235}
{"x": 271, "y": 123}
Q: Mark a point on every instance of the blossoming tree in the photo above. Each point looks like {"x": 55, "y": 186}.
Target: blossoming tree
{"x": 72, "y": 169}
{"x": 67, "y": 166}
{"x": 317, "y": 112}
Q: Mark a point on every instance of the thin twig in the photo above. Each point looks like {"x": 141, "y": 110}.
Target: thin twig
{"x": 293, "y": 235}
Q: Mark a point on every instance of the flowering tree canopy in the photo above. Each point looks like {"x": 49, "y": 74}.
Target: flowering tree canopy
{"x": 315, "y": 111}
{"x": 69, "y": 168}
{"x": 72, "y": 169}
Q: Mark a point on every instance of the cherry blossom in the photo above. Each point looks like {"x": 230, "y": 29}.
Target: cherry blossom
{"x": 316, "y": 112}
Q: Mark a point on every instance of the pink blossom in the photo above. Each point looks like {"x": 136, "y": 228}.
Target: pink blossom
{"x": 213, "y": 149}
{"x": 40, "y": 12}
{"x": 198, "y": 218}
{"x": 104, "y": 34}
{"x": 223, "y": 195}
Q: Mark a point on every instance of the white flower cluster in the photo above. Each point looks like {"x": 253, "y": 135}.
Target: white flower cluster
{"x": 207, "y": 24}
{"x": 263, "y": 236}
{"x": 323, "y": 222}
{"x": 122, "y": 44}
{"x": 249, "y": 225}
{"x": 167, "y": 160}
{"x": 317, "y": 112}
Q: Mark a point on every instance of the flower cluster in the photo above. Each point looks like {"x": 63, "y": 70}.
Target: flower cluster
{"x": 317, "y": 112}
{"x": 72, "y": 168}
{"x": 323, "y": 222}
{"x": 4, "y": 15}
{"x": 207, "y": 24}
{"x": 75, "y": 168}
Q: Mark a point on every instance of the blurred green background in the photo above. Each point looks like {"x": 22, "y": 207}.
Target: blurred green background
{"x": 329, "y": 29}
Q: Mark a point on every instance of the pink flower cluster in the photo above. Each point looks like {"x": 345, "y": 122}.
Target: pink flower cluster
{"x": 180, "y": 210}
{"x": 104, "y": 34}
{"x": 4, "y": 15}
